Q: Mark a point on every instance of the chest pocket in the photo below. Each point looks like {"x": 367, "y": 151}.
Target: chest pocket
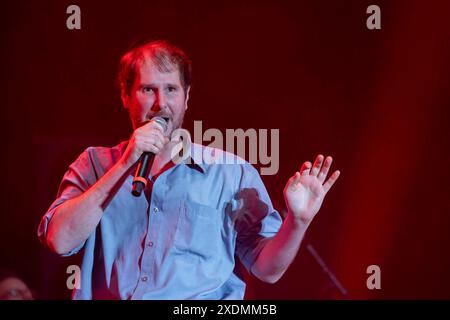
{"x": 198, "y": 234}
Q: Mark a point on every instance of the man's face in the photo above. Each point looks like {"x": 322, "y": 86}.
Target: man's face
{"x": 156, "y": 93}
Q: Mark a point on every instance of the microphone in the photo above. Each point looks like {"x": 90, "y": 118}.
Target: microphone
{"x": 143, "y": 168}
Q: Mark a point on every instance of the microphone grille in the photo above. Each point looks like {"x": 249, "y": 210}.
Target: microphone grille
{"x": 162, "y": 122}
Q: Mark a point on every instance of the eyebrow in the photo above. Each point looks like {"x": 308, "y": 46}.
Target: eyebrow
{"x": 154, "y": 85}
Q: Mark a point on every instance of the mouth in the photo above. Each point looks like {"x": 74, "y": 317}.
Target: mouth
{"x": 165, "y": 117}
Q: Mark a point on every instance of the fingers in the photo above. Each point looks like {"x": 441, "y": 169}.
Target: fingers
{"x": 296, "y": 178}
{"x": 317, "y": 165}
{"x": 305, "y": 169}
{"x": 147, "y": 147}
{"x": 153, "y": 126}
{"x": 157, "y": 141}
{"x": 149, "y": 143}
{"x": 325, "y": 168}
{"x": 150, "y": 138}
{"x": 331, "y": 180}
{"x": 320, "y": 168}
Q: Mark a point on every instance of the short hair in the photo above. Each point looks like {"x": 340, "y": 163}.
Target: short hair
{"x": 163, "y": 54}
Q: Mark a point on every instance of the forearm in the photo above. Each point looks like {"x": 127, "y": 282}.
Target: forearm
{"x": 279, "y": 252}
{"x": 75, "y": 219}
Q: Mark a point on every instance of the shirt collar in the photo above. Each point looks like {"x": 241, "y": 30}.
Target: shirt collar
{"x": 195, "y": 158}
{"x": 201, "y": 157}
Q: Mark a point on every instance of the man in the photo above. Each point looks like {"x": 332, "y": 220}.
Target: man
{"x": 12, "y": 287}
{"x": 180, "y": 240}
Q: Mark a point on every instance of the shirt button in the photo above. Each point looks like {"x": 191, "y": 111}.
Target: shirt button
{"x": 150, "y": 244}
{"x": 144, "y": 278}
{"x": 155, "y": 209}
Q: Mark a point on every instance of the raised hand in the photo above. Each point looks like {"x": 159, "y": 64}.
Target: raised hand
{"x": 305, "y": 191}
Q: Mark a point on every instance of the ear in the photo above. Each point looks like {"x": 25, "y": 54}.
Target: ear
{"x": 187, "y": 98}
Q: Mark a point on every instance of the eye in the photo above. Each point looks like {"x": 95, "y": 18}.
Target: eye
{"x": 172, "y": 89}
{"x": 147, "y": 90}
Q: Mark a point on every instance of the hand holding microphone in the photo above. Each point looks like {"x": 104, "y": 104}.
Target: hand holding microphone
{"x": 145, "y": 142}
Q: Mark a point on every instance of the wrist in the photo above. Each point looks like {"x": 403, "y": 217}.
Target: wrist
{"x": 297, "y": 222}
{"x": 123, "y": 165}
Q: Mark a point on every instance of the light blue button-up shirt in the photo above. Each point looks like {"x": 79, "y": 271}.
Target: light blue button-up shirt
{"x": 180, "y": 239}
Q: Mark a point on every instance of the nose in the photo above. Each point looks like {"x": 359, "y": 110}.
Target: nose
{"x": 160, "y": 101}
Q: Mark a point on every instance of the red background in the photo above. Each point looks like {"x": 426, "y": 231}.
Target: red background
{"x": 376, "y": 100}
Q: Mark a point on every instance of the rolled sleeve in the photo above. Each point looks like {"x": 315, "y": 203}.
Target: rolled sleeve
{"x": 256, "y": 220}
{"x": 73, "y": 184}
